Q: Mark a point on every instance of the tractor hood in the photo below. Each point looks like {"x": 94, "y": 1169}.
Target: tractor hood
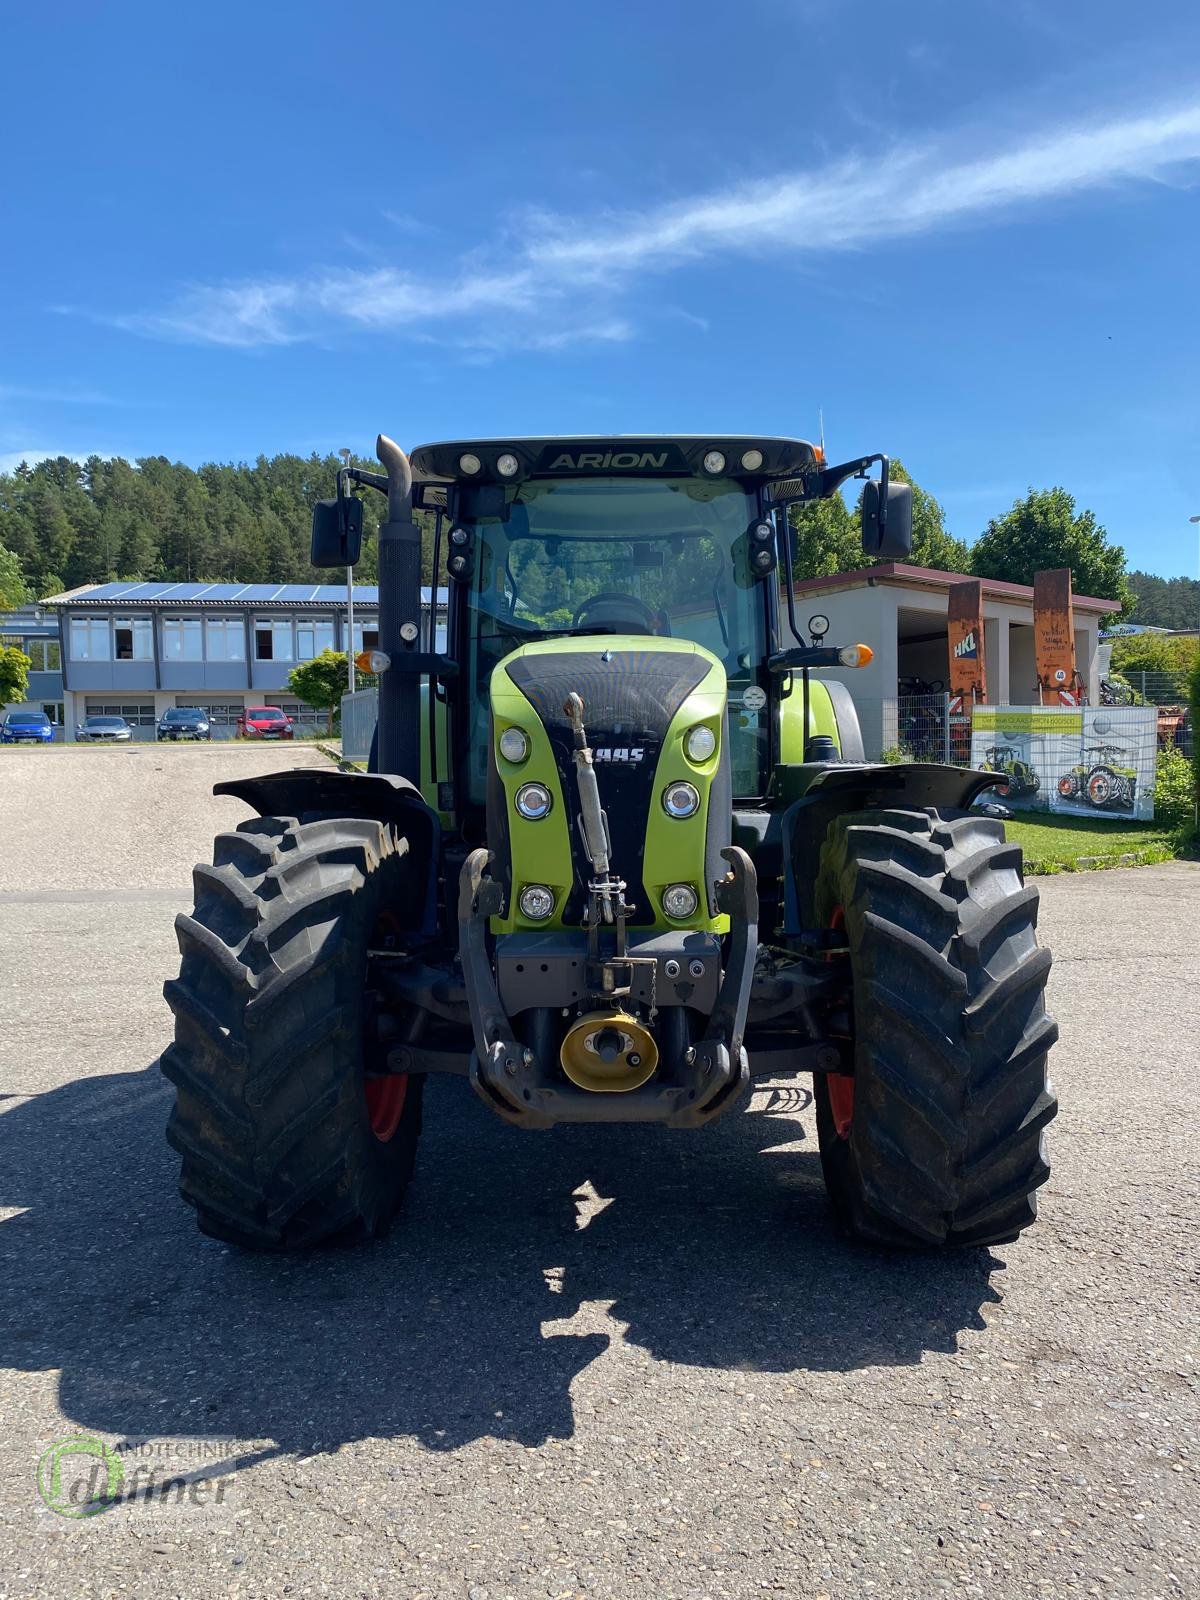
{"x": 641, "y": 696}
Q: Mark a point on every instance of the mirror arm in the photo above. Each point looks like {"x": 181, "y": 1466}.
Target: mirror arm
{"x": 830, "y": 479}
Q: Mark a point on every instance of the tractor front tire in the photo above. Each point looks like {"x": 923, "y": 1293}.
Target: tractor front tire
{"x": 937, "y": 1138}
{"x": 286, "y": 1136}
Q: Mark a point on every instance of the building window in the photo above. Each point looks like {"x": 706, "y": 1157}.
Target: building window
{"x": 133, "y": 639}
{"x": 181, "y": 639}
{"x": 90, "y": 639}
{"x": 313, "y": 635}
{"x": 225, "y": 638}
{"x": 365, "y": 638}
{"x": 272, "y": 639}
{"x": 44, "y": 654}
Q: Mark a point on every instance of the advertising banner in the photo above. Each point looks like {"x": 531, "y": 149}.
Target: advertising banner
{"x": 1054, "y": 638}
{"x": 1087, "y": 761}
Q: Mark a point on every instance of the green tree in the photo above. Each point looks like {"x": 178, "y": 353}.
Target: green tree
{"x": 1044, "y": 531}
{"x": 13, "y": 590}
{"x": 321, "y": 682}
{"x": 1165, "y": 602}
{"x": 14, "y": 674}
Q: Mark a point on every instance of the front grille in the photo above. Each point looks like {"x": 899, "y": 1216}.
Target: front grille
{"x": 629, "y": 700}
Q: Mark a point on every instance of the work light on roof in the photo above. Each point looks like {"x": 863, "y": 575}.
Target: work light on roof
{"x": 752, "y": 460}
{"x": 469, "y": 464}
{"x": 714, "y": 462}
{"x": 507, "y": 465}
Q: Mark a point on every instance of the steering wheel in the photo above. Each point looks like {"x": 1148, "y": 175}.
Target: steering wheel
{"x": 623, "y": 611}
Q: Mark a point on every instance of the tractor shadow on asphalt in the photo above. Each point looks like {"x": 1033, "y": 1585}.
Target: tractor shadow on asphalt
{"x": 711, "y": 1249}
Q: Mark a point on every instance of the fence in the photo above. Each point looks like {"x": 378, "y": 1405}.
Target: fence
{"x": 360, "y": 712}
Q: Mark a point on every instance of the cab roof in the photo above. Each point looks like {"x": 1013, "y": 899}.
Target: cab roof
{"x": 747, "y": 457}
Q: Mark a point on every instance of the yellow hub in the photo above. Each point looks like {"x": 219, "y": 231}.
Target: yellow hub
{"x": 608, "y": 1052}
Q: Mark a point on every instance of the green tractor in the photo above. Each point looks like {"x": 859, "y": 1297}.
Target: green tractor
{"x": 1101, "y": 779}
{"x": 1008, "y": 760}
{"x": 617, "y": 854}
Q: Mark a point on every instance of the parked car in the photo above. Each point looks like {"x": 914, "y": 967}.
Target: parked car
{"x": 184, "y": 722}
{"x": 103, "y": 730}
{"x": 264, "y": 722}
{"x": 26, "y": 727}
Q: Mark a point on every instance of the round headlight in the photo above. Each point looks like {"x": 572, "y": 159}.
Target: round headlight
{"x": 459, "y": 536}
{"x": 679, "y": 800}
{"x": 763, "y": 532}
{"x": 714, "y": 462}
{"x": 469, "y": 464}
{"x": 699, "y": 742}
{"x": 514, "y": 746}
{"x": 818, "y": 626}
{"x": 752, "y": 460}
{"x": 533, "y": 801}
{"x": 507, "y": 465}
{"x": 537, "y": 902}
{"x": 763, "y": 559}
{"x": 456, "y": 566}
{"x": 680, "y": 900}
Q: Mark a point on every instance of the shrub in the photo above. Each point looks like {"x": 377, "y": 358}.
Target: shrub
{"x": 1174, "y": 789}
{"x": 894, "y": 755}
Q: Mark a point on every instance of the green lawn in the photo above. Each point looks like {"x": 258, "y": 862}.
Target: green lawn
{"x": 1068, "y": 844}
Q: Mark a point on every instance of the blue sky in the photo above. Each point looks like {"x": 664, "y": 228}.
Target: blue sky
{"x": 973, "y": 241}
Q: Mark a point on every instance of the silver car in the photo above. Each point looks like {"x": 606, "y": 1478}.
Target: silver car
{"x": 107, "y": 730}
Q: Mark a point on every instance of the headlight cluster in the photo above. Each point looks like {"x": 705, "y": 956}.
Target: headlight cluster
{"x": 536, "y": 902}
{"x": 681, "y": 799}
{"x": 699, "y": 743}
{"x": 514, "y": 745}
{"x": 534, "y": 801}
{"x": 680, "y": 900}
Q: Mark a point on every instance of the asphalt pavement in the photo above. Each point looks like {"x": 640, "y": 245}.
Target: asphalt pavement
{"x": 591, "y": 1362}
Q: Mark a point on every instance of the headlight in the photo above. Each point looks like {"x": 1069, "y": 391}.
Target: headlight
{"x": 699, "y": 743}
{"x": 680, "y": 900}
{"x": 537, "y": 902}
{"x": 714, "y": 462}
{"x": 470, "y": 464}
{"x": 679, "y": 800}
{"x": 507, "y": 465}
{"x": 752, "y": 460}
{"x": 514, "y": 746}
{"x": 533, "y": 801}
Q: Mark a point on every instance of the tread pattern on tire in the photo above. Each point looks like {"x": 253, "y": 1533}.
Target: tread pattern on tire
{"x": 270, "y": 1119}
{"x": 951, "y": 1031}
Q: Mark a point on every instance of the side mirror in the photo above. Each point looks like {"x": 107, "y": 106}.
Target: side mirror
{"x": 337, "y": 527}
{"x": 887, "y": 527}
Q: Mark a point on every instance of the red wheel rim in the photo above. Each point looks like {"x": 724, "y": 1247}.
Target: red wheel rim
{"x": 385, "y": 1104}
{"x": 840, "y": 1085}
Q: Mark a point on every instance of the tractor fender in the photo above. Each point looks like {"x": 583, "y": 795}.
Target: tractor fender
{"x": 308, "y": 793}
{"x": 839, "y": 789}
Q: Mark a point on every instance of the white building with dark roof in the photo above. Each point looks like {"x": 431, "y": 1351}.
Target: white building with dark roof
{"x": 137, "y": 649}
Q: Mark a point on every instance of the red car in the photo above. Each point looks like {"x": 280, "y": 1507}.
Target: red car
{"x": 264, "y": 722}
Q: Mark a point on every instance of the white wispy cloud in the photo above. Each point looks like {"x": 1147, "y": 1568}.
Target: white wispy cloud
{"x": 65, "y": 396}
{"x": 557, "y": 285}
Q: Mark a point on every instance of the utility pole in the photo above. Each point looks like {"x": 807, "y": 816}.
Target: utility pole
{"x": 344, "y": 452}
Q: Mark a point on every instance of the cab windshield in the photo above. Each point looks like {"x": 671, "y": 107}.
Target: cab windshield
{"x": 658, "y": 557}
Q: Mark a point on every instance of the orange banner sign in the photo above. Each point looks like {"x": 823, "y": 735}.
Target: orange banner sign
{"x": 1054, "y": 638}
{"x": 964, "y": 635}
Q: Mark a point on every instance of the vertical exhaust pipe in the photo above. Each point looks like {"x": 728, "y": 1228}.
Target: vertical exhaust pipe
{"x": 399, "y": 747}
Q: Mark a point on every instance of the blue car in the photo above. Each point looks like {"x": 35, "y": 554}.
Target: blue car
{"x": 26, "y": 727}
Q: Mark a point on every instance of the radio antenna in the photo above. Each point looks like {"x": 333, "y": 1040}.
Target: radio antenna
{"x": 821, "y": 426}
